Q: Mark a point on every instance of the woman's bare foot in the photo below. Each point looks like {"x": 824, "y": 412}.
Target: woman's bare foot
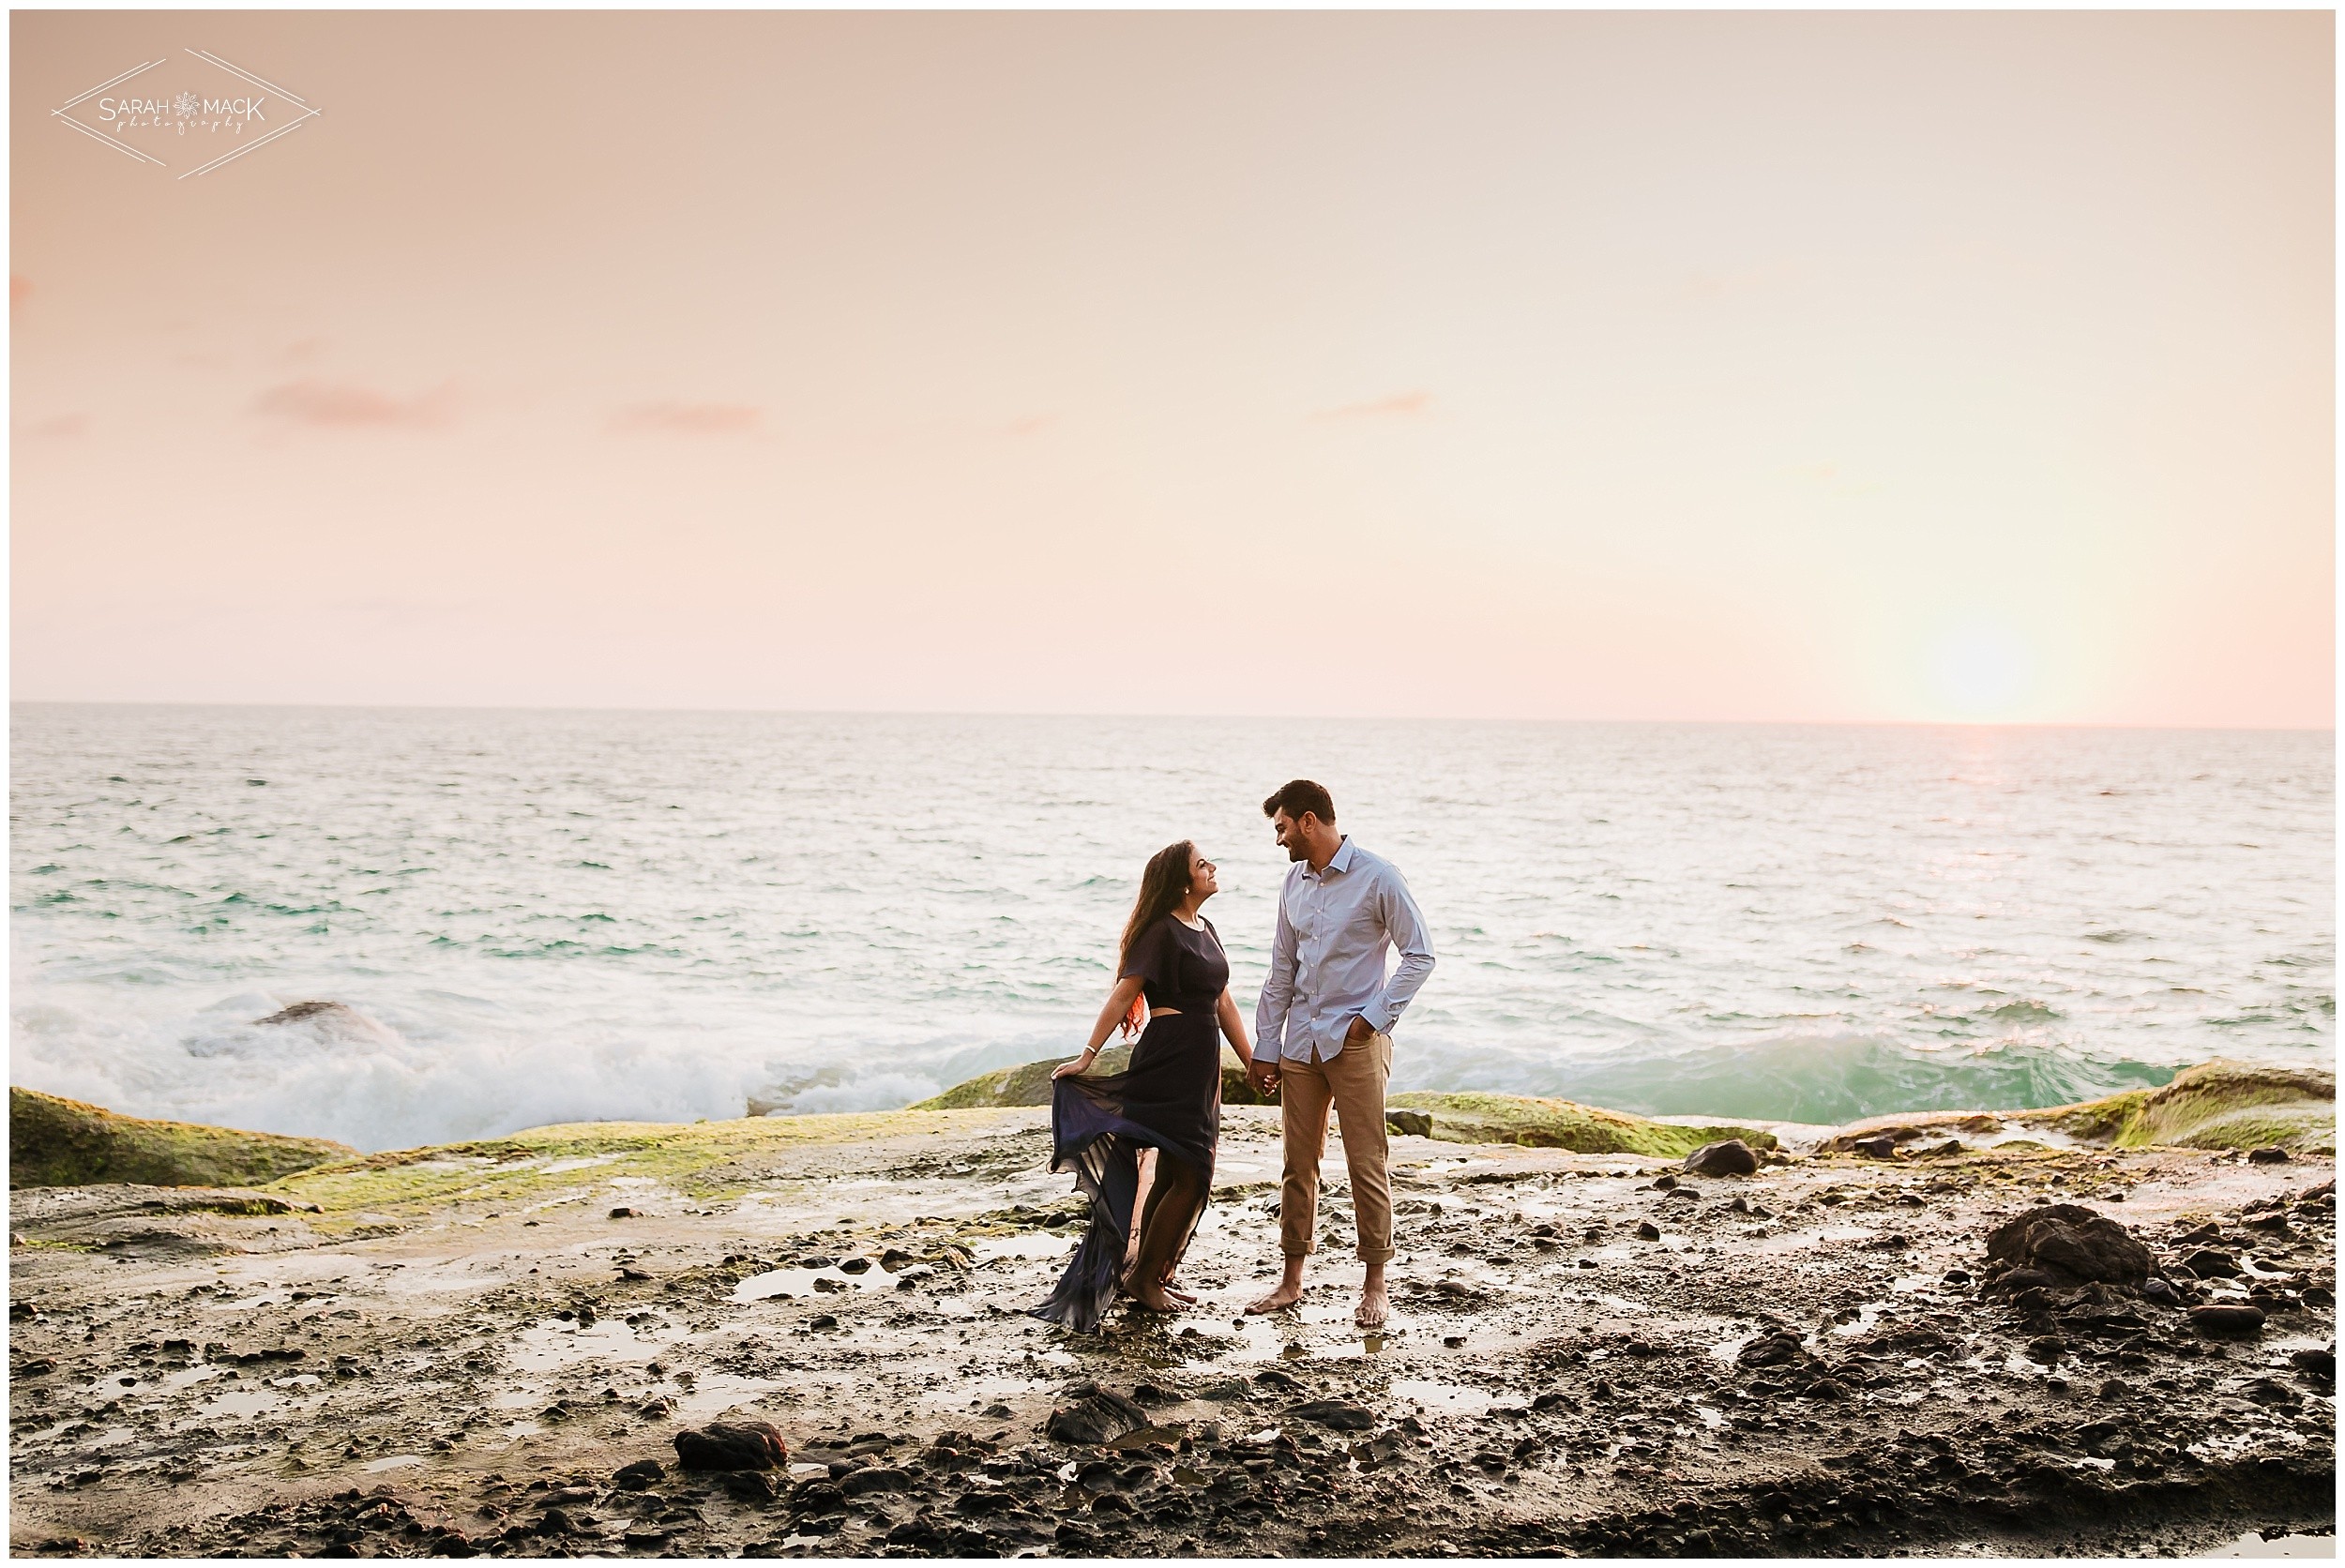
{"x": 1155, "y": 1300}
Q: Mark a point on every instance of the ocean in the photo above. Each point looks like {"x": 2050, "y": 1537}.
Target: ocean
{"x": 553, "y": 916}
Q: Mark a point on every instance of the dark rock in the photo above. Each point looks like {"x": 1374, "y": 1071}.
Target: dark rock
{"x": 2226, "y": 1319}
{"x": 641, "y": 1476}
{"x": 2267, "y": 1156}
{"x": 2072, "y": 1243}
{"x": 1334, "y": 1413}
{"x": 2271, "y": 1391}
{"x": 1648, "y": 1231}
{"x": 1958, "y": 1276}
{"x": 749, "y": 1486}
{"x": 1664, "y": 1183}
{"x": 1411, "y": 1123}
{"x": 2315, "y": 1363}
{"x": 1730, "y": 1158}
{"x": 625, "y": 1214}
{"x": 855, "y": 1265}
{"x": 1773, "y": 1350}
{"x": 1270, "y": 1377}
{"x": 732, "y": 1446}
{"x": 874, "y": 1478}
{"x": 2207, "y": 1263}
{"x": 2047, "y": 1348}
{"x": 1095, "y": 1417}
{"x": 1881, "y": 1147}
{"x": 1149, "y": 1393}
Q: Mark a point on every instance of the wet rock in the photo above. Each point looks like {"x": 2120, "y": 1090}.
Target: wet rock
{"x": 874, "y": 1478}
{"x": 2222, "y": 1320}
{"x": 2321, "y": 1365}
{"x": 1411, "y": 1123}
{"x": 1334, "y": 1413}
{"x": 1881, "y": 1147}
{"x": 2267, "y": 1156}
{"x": 2207, "y": 1263}
{"x": 732, "y": 1446}
{"x": 2271, "y": 1391}
{"x": 641, "y": 1476}
{"x": 1648, "y": 1231}
{"x": 627, "y": 1213}
{"x": 855, "y": 1265}
{"x": 750, "y": 1486}
{"x": 2072, "y": 1243}
{"x": 2047, "y": 1348}
{"x": 1094, "y": 1417}
{"x": 1270, "y": 1377}
{"x": 1772, "y": 1350}
{"x": 1664, "y": 1183}
{"x": 1729, "y": 1157}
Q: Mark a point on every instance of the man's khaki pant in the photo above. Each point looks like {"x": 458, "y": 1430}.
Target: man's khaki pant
{"x": 1353, "y": 1081}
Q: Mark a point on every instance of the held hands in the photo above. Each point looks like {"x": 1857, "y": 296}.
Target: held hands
{"x": 1263, "y": 1073}
{"x": 1080, "y": 1063}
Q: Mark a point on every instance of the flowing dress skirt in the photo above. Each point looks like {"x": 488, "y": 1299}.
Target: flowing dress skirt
{"x": 1169, "y": 1099}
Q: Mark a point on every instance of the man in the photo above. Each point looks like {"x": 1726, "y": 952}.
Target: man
{"x": 1323, "y": 1030}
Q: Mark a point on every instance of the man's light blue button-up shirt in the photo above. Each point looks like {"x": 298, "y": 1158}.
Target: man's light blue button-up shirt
{"x": 1327, "y": 962}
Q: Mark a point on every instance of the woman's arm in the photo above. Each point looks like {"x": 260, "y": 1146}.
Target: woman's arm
{"x": 1119, "y": 1003}
{"x": 1233, "y": 1027}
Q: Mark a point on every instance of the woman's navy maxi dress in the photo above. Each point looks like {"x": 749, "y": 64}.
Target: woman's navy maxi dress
{"x": 1169, "y": 1098}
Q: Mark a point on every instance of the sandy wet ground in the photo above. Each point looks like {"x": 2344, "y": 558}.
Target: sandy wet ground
{"x": 1799, "y": 1362}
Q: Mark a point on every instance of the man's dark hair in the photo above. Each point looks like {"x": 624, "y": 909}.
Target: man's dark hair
{"x": 1299, "y": 795}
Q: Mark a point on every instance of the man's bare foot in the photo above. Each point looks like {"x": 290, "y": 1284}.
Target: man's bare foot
{"x": 1286, "y": 1295}
{"x": 1373, "y": 1307}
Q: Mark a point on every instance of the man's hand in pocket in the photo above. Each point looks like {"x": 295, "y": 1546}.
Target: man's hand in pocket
{"x": 1359, "y": 1033}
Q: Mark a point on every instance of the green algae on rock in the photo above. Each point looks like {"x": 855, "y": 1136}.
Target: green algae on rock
{"x": 700, "y": 1160}
{"x": 2216, "y": 1105}
{"x": 1029, "y": 1083}
{"x": 55, "y": 1142}
{"x": 1539, "y": 1123}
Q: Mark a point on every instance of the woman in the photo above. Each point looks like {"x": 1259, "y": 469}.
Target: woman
{"x": 1169, "y": 1099}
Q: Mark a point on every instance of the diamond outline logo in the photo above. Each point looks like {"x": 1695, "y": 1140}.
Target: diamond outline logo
{"x": 307, "y": 113}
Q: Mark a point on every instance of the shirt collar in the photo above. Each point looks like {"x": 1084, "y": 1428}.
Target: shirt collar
{"x": 1341, "y": 859}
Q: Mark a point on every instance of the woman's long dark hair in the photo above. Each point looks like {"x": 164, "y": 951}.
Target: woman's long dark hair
{"x": 1162, "y": 885}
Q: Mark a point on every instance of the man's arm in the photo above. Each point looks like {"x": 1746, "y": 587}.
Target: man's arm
{"x": 1278, "y": 992}
{"x": 1405, "y": 923}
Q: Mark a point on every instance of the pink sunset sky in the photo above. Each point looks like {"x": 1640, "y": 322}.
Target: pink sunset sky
{"x": 1652, "y": 365}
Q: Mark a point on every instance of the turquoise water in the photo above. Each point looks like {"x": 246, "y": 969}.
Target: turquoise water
{"x": 552, "y": 916}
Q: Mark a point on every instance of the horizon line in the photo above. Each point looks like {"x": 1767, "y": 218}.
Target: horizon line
{"x": 1289, "y": 717}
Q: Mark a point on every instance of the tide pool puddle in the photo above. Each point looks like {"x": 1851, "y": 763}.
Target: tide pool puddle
{"x": 244, "y": 1403}
{"x": 392, "y": 1461}
{"x": 544, "y": 1347}
{"x": 1427, "y": 1394}
{"x": 790, "y": 1284}
{"x": 1054, "y": 1247}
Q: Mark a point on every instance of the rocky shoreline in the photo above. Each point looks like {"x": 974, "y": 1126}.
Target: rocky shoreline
{"x": 494, "y": 1349}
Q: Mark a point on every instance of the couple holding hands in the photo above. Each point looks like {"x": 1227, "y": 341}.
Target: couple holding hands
{"x": 1324, "y": 1027}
